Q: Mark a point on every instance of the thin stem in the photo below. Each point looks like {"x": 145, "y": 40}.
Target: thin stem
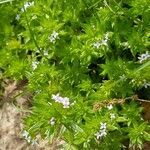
{"x": 30, "y": 30}
{"x": 6, "y": 1}
{"x": 106, "y": 4}
{"x": 94, "y": 4}
{"x": 99, "y": 105}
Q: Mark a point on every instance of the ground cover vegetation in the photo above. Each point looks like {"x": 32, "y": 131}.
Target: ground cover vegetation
{"x": 86, "y": 64}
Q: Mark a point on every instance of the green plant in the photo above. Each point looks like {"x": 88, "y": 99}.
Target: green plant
{"x": 78, "y": 56}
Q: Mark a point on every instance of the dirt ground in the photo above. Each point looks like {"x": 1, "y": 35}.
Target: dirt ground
{"x": 11, "y": 127}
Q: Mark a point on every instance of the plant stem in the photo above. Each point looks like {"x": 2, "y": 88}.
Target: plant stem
{"x": 30, "y": 30}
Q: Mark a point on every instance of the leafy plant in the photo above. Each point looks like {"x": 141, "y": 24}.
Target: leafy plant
{"x": 84, "y": 62}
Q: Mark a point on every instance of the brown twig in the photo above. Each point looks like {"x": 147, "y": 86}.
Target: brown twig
{"x": 99, "y": 105}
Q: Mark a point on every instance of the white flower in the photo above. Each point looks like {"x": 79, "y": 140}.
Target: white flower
{"x": 56, "y": 97}
{"x": 45, "y": 53}
{"x": 146, "y": 85}
{"x": 97, "y": 44}
{"x": 28, "y": 139}
{"x": 34, "y": 65}
{"x": 54, "y": 34}
{"x": 103, "y": 126}
{"x": 98, "y": 135}
{"x": 144, "y": 57}
{"x": 34, "y": 142}
{"x": 102, "y": 42}
{"x": 17, "y": 17}
{"x": 25, "y": 134}
{"x": 53, "y": 37}
{"x": 106, "y": 36}
{"x": 65, "y": 101}
{"x": 110, "y": 106}
{"x": 27, "y": 5}
{"x": 101, "y": 133}
{"x": 52, "y": 121}
{"x": 112, "y": 116}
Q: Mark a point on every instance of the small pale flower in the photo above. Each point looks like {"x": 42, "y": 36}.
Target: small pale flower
{"x": 65, "y": 101}
{"x": 146, "y": 85}
{"x": 106, "y": 36}
{"x": 112, "y": 116}
{"x": 97, "y": 45}
{"x": 54, "y": 34}
{"x": 103, "y": 126}
{"x": 52, "y": 121}
{"x": 53, "y": 37}
{"x": 110, "y": 106}
{"x": 104, "y": 42}
{"x": 28, "y": 139}
{"x": 34, "y": 65}
{"x": 17, "y": 17}
{"x": 56, "y": 97}
{"x": 103, "y": 133}
{"x": 27, "y": 5}
{"x": 25, "y": 134}
{"x": 98, "y": 135}
{"x": 144, "y": 57}
{"x": 34, "y": 142}
{"x": 45, "y": 53}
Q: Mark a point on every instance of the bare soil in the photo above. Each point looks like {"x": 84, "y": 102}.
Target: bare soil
{"x": 11, "y": 114}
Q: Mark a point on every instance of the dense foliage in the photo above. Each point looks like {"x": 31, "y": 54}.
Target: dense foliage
{"x": 84, "y": 60}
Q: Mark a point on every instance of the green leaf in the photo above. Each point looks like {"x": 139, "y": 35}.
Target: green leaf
{"x": 146, "y": 136}
{"x": 121, "y": 119}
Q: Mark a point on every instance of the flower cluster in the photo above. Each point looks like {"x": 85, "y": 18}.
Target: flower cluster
{"x": 101, "y": 42}
{"x": 34, "y": 64}
{"x": 63, "y": 100}
{"x": 102, "y": 131}
{"x": 144, "y": 57}
{"x": 52, "y": 121}
{"x": 27, "y": 5}
{"x": 27, "y": 137}
{"x": 112, "y": 116}
{"x": 53, "y": 37}
{"x": 110, "y": 107}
